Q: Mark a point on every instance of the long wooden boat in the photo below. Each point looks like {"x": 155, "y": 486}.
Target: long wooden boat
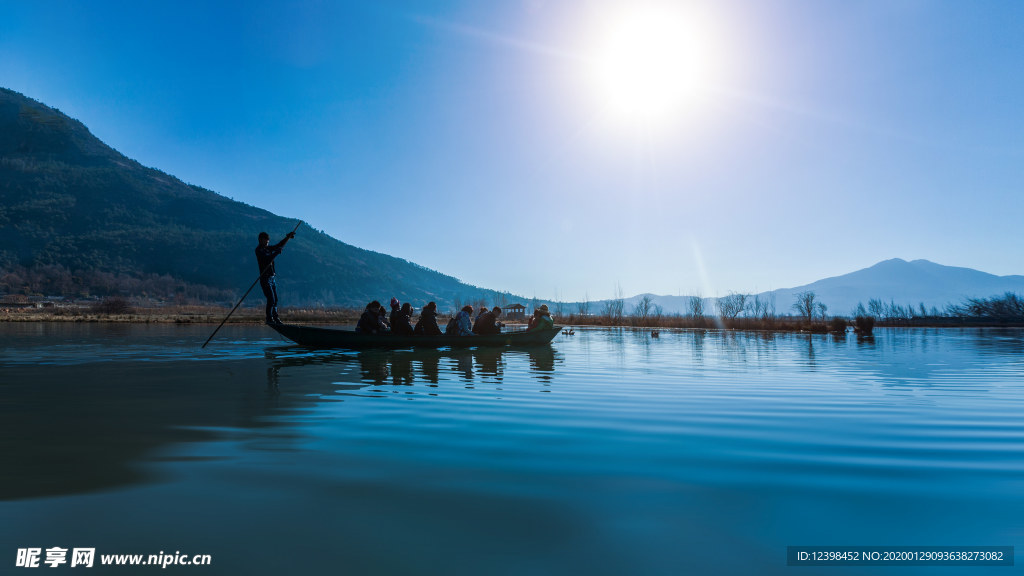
{"x": 316, "y": 337}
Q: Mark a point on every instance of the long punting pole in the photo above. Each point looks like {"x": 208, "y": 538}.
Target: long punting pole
{"x": 256, "y": 281}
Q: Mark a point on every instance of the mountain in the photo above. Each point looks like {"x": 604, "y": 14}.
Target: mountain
{"x": 891, "y": 281}
{"x": 905, "y": 283}
{"x": 79, "y": 218}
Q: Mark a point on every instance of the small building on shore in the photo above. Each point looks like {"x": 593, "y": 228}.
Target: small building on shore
{"x": 19, "y": 302}
{"x": 514, "y": 312}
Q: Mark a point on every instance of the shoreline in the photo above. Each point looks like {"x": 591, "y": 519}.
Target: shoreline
{"x": 209, "y": 315}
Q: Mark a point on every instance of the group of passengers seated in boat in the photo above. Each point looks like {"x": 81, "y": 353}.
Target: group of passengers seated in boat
{"x": 375, "y": 320}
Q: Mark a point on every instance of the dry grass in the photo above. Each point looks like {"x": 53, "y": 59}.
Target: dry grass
{"x": 777, "y": 324}
{"x": 178, "y": 314}
{"x": 204, "y": 314}
{"x": 200, "y": 314}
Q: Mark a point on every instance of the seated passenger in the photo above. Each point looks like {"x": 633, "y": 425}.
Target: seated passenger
{"x": 369, "y": 322}
{"x": 543, "y": 319}
{"x": 401, "y": 323}
{"x": 395, "y": 311}
{"x": 427, "y": 324}
{"x": 487, "y": 323}
{"x": 464, "y": 324}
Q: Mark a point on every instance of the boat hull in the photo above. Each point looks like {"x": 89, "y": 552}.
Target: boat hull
{"x": 317, "y": 337}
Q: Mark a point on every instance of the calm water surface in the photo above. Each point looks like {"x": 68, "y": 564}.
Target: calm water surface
{"x": 606, "y": 452}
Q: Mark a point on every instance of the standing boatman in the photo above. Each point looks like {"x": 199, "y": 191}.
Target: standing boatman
{"x": 265, "y": 254}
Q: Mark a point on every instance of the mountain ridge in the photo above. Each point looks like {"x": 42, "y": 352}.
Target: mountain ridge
{"x": 895, "y": 280}
{"x": 79, "y": 218}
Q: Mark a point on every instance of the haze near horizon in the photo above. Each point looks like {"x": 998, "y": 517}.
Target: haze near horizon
{"x": 556, "y": 149}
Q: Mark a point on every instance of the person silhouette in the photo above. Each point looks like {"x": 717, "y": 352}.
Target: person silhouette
{"x": 265, "y": 254}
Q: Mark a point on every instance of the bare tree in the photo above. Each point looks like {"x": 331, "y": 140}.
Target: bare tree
{"x": 757, "y": 307}
{"x": 805, "y": 305}
{"x": 732, "y": 305}
{"x": 876, "y": 308}
{"x": 897, "y": 312}
{"x": 614, "y": 308}
{"x": 764, "y": 308}
{"x": 583, "y": 308}
{"x": 1009, "y": 306}
{"x": 644, "y": 309}
{"x": 696, "y": 306}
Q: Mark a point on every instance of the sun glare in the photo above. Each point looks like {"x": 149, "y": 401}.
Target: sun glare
{"x": 648, "y": 66}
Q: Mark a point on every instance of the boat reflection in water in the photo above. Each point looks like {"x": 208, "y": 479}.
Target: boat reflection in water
{"x": 352, "y": 370}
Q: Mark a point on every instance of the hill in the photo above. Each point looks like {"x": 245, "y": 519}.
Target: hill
{"x": 906, "y": 283}
{"x": 78, "y": 218}
{"x": 891, "y": 281}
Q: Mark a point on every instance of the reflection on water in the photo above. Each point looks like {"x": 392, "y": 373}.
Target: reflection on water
{"x": 604, "y": 452}
{"x": 810, "y": 350}
{"x": 408, "y": 367}
{"x": 697, "y": 345}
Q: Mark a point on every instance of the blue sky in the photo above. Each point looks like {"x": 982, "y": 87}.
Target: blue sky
{"x": 808, "y": 138}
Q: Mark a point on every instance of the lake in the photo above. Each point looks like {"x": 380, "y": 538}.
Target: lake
{"x": 607, "y": 452}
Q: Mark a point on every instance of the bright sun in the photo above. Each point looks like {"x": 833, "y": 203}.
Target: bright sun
{"x": 647, "y": 66}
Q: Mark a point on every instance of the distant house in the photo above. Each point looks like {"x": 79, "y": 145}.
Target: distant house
{"x": 19, "y": 302}
{"x": 514, "y": 311}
